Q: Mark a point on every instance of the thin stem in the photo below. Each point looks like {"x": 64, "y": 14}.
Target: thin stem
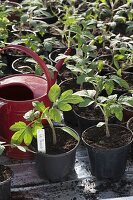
{"x": 69, "y": 42}
{"x": 106, "y": 122}
{"x": 53, "y": 130}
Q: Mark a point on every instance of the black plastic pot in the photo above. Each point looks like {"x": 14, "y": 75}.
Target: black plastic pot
{"x": 53, "y": 55}
{"x": 83, "y": 122}
{"x": 70, "y": 119}
{"x": 5, "y": 186}
{"x": 55, "y": 167}
{"x": 107, "y": 163}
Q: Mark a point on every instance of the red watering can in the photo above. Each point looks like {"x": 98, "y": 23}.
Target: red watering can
{"x": 17, "y": 92}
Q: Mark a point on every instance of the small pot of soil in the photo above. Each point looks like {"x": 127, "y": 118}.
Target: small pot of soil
{"x": 5, "y": 182}
{"x": 55, "y": 53}
{"x": 88, "y": 116}
{"x": 108, "y": 155}
{"x": 22, "y": 67}
{"x": 59, "y": 159}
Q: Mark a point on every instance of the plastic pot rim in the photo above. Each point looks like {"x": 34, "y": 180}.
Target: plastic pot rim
{"x": 128, "y": 123}
{"x": 62, "y": 154}
{"x": 102, "y": 148}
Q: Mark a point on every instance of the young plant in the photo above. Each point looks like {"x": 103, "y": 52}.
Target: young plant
{"x": 35, "y": 117}
{"x": 110, "y": 105}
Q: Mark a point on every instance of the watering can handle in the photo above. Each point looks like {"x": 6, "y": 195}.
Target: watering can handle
{"x": 35, "y": 56}
{"x": 42, "y": 64}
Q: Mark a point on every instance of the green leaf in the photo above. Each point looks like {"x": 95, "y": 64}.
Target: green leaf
{"x": 100, "y": 124}
{"x": 119, "y": 57}
{"x": 120, "y": 81}
{"x": 119, "y": 71}
{"x": 64, "y": 106}
{"x": 35, "y": 127}
{"x": 38, "y": 106}
{"x": 117, "y": 110}
{"x": 71, "y": 132}
{"x": 109, "y": 86}
{"x": 100, "y": 65}
{"x": 81, "y": 79}
{"x": 101, "y": 99}
{"x": 86, "y": 93}
{"x": 17, "y": 126}
{"x": 28, "y": 136}
{"x": 120, "y": 19}
{"x": 126, "y": 100}
{"x": 55, "y": 114}
{"x": 29, "y": 116}
{"x": 17, "y": 137}
{"x": 54, "y": 93}
{"x": 86, "y": 102}
{"x": 116, "y": 63}
{"x": 66, "y": 93}
{"x": 72, "y": 99}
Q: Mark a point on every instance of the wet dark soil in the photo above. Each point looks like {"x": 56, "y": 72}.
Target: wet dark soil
{"x": 119, "y": 136}
{"x": 90, "y": 113}
{"x": 65, "y": 142}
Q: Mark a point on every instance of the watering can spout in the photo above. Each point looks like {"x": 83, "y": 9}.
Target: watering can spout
{"x": 59, "y": 64}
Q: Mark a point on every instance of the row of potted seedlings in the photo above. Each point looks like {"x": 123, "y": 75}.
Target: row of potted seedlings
{"x": 94, "y": 85}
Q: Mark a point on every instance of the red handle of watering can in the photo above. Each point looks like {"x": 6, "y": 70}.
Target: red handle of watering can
{"x": 42, "y": 64}
{"x": 35, "y": 56}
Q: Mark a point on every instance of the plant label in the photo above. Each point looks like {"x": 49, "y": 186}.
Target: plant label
{"x": 41, "y": 143}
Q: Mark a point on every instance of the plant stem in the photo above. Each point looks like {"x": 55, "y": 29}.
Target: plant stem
{"x": 69, "y": 36}
{"x": 107, "y": 126}
{"x": 106, "y": 121}
{"x": 53, "y": 130}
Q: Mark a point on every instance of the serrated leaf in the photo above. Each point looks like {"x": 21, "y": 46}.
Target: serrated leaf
{"x": 86, "y": 93}
{"x": 126, "y": 100}
{"x": 17, "y": 126}
{"x": 66, "y": 93}
{"x": 86, "y": 102}
{"x": 81, "y": 79}
{"x": 54, "y": 93}
{"x": 71, "y": 132}
{"x": 17, "y": 137}
{"x": 120, "y": 19}
{"x": 100, "y": 65}
{"x": 55, "y": 115}
{"x": 119, "y": 57}
{"x": 119, "y": 72}
{"x": 101, "y": 99}
{"x": 109, "y": 87}
{"x": 120, "y": 81}
{"x": 29, "y": 116}
{"x": 39, "y": 106}
{"x": 35, "y": 127}
{"x": 64, "y": 106}
{"x": 100, "y": 124}
{"x": 28, "y": 136}
{"x": 117, "y": 110}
